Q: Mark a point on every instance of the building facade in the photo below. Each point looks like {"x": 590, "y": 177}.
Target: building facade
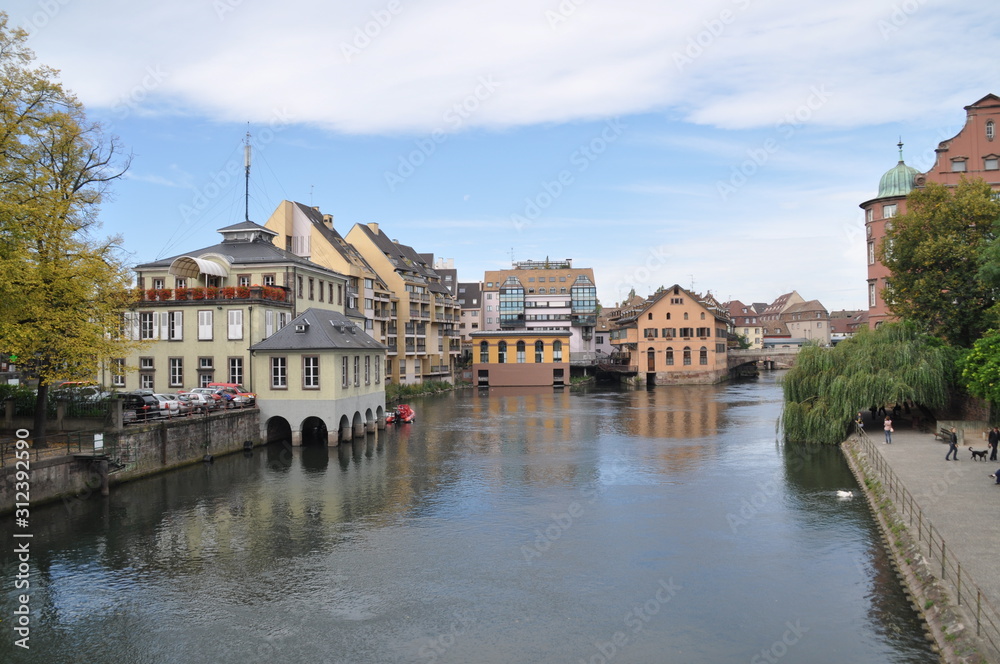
{"x": 503, "y": 358}
{"x": 201, "y": 311}
{"x": 675, "y": 336}
{"x": 974, "y": 152}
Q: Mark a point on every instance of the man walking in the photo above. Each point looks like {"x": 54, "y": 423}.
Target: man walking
{"x": 952, "y": 446}
{"x": 994, "y": 439}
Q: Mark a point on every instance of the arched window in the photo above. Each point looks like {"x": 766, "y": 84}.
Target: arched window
{"x": 685, "y": 315}
{"x": 520, "y": 352}
{"x": 703, "y": 315}
{"x": 557, "y": 351}
{"x": 990, "y": 130}
{"x": 687, "y": 356}
{"x": 703, "y": 356}
{"x": 670, "y": 356}
{"x": 539, "y": 352}
{"x": 502, "y": 352}
{"x": 484, "y": 352}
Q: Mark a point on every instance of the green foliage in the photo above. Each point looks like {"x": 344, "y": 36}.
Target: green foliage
{"x": 396, "y": 392}
{"x": 936, "y": 252}
{"x": 979, "y": 368}
{"x": 828, "y": 386}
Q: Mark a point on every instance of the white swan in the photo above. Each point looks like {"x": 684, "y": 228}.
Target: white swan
{"x": 845, "y": 495}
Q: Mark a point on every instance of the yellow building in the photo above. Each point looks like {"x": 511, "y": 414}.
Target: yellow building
{"x": 520, "y": 357}
{"x": 675, "y": 336}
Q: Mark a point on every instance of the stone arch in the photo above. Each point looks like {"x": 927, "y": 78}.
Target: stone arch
{"x": 314, "y": 431}
{"x": 358, "y": 425}
{"x": 344, "y": 429}
{"x": 277, "y": 428}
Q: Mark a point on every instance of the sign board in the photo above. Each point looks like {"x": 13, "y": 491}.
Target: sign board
{"x": 98, "y": 441}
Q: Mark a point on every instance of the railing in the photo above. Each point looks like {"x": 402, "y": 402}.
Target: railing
{"x": 57, "y": 445}
{"x": 986, "y": 616}
{"x": 274, "y": 293}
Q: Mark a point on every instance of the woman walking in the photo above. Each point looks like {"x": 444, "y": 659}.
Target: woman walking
{"x": 887, "y": 425}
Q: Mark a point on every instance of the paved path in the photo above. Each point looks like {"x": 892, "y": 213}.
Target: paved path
{"x": 957, "y": 496}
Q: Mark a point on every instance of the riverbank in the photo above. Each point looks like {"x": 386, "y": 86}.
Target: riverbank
{"x": 932, "y": 521}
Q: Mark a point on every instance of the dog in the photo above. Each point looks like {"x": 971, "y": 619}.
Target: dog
{"x": 978, "y": 455}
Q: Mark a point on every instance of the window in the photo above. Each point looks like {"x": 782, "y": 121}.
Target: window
{"x": 703, "y": 315}
{"x": 243, "y": 280}
{"x": 870, "y": 214}
{"x": 235, "y": 319}
{"x": 204, "y": 325}
{"x": 147, "y": 325}
{"x": 283, "y": 318}
{"x": 991, "y": 163}
{"x": 180, "y": 282}
{"x": 236, "y": 370}
{"x": 539, "y": 352}
{"x": 677, "y": 300}
{"x": 205, "y": 363}
{"x": 146, "y": 363}
{"x": 685, "y": 315}
{"x": 146, "y": 381}
{"x": 687, "y": 356}
{"x": 267, "y": 280}
{"x": 300, "y": 287}
{"x": 704, "y": 331}
{"x": 175, "y": 325}
{"x": 871, "y": 253}
{"x": 176, "y": 371}
{"x": 268, "y": 323}
{"x": 357, "y": 372}
{"x": 670, "y": 356}
{"x": 320, "y": 290}
{"x": 687, "y": 331}
{"x": 520, "y": 352}
{"x": 484, "y": 352}
{"x": 279, "y": 373}
{"x": 888, "y": 211}
{"x": 649, "y": 332}
{"x": 958, "y": 166}
{"x": 310, "y": 372}
{"x": 378, "y": 377}
{"x": 990, "y": 130}
{"x": 118, "y": 372}
{"x": 344, "y": 378}
{"x": 557, "y": 351}
{"x": 871, "y": 295}
{"x": 703, "y": 356}
{"x": 157, "y": 283}
{"x": 368, "y": 370}
{"x": 204, "y": 379}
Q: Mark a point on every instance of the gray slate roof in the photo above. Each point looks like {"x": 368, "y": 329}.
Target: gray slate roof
{"x": 325, "y": 329}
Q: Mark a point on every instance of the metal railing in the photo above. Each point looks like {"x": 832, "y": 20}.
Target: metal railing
{"x": 986, "y": 616}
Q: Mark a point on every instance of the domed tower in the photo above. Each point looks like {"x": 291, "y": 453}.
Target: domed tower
{"x": 893, "y": 188}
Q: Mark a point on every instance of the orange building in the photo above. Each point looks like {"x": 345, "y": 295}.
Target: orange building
{"x": 974, "y": 152}
{"x": 675, "y": 336}
{"x": 520, "y": 357}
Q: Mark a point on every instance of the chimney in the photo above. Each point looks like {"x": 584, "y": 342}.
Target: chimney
{"x": 328, "y": 221}
{"x": 374, "y": 226}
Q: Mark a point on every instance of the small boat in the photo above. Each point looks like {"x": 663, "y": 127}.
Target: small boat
{"x": 404, "y": 414}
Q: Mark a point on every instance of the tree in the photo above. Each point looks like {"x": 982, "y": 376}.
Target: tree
{"x": 62, "y": 289}
{"x": 935, "y": 252}
{"x": 828, "y": 386}
{"x": 979, "y": 368}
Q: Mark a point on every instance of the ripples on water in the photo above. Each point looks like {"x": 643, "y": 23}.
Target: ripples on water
{"x": 503, "y": 526}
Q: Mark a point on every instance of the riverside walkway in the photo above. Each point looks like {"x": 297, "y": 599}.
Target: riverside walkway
{"x": 949, "y": 505}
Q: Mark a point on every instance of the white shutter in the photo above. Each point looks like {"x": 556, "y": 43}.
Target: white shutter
{"x": 164, "y": 325}
{"x": 268, "y": 323}
{"x": 177, "y": 325}
{"x": 132, "y": 325}
{"x": 204, "y": 325}
{"x": 235, "y": 323}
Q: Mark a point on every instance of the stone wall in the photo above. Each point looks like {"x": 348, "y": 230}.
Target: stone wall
{"x": 141, "y": 450}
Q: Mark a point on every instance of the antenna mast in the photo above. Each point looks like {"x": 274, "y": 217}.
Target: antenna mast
{"x": 246, "y": 163}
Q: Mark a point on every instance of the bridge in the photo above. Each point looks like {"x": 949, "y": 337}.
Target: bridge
{"x": 766, "y": 358}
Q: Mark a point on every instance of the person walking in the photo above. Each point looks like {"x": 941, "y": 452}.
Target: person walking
{"x": 952, "y": 445}
{"x": 887, "y": 425}
{"x": 859, "y": 422}
{"x": 993, "y": 439}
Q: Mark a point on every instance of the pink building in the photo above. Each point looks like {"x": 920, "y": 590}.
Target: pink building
{"x": 974, "y": 152}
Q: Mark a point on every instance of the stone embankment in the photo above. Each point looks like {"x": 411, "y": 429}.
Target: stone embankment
{"x": 937, "y": 525}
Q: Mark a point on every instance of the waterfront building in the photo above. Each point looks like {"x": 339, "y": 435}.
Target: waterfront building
{"x": 423, "y": 342}
{"x": 202, "y": 310}
{"x": 745, "y": 323}
{"x": 974, "y": 152}
{"x": 319, "y": 379}
{"x": 808, "y": 322}
{"x": 308, "y": 233}
{"x": 503, "y": 358}
{"x": 544, "y": 296}
{"x": 674, "y": 336}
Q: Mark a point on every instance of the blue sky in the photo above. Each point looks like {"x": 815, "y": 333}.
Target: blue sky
{"x": 724, "y": 145}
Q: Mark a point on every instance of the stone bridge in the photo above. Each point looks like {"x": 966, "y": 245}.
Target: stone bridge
{"x": 766, "y": 358}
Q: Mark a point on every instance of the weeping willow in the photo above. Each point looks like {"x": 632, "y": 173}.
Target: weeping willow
{"x": 828, "y": 386}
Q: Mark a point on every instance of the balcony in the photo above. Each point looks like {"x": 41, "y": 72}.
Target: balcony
{"x": 277, "y": 294}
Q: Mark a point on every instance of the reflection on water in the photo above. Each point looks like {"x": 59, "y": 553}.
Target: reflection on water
{"x": 507, "y": 525}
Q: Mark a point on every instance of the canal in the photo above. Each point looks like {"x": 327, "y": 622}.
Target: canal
{"x": 599, "y": 525}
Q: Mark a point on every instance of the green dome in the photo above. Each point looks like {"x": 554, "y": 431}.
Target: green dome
{"x": 897, "y": 181}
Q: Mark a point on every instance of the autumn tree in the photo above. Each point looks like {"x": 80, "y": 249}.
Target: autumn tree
{"x": 63, "y": 288}
{"x": 935, "y": 252}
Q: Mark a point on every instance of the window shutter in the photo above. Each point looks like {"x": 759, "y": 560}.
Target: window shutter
{"x": 205, "y": 325}
{"x": 235, "y": 323}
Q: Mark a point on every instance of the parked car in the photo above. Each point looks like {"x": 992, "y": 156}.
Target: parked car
{"x": 231, "y": 398}
{"x": 168, "y": 406}
{"x": 139, "y": 407}
{"x": 210, "y": 393}
{"x": 184, "y": 407}
{"x": 196, "y": 402}
{"x": 248, "y": 398}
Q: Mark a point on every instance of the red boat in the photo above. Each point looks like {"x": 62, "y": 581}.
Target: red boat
{"x": 402, "y": 413}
